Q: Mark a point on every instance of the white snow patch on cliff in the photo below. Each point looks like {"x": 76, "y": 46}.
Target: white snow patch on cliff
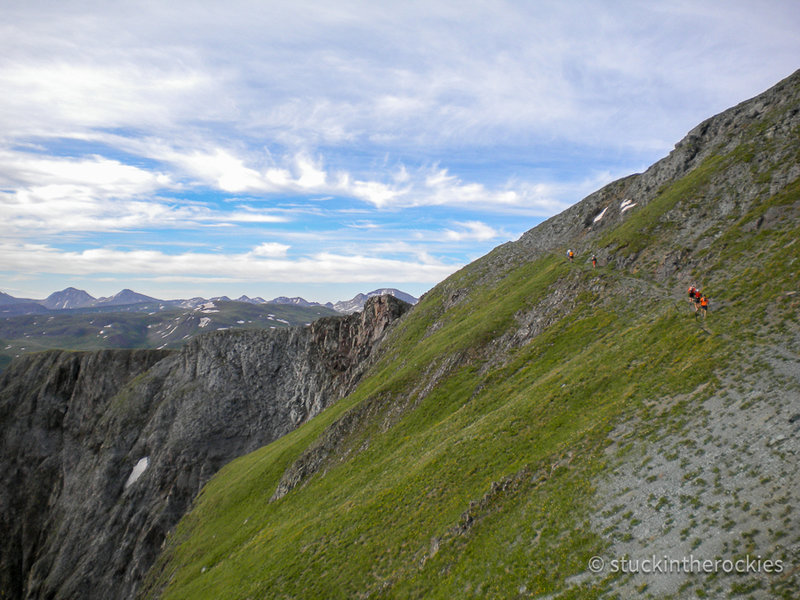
{"x": 600, "y": 216}
{"x": 138, "y": 469}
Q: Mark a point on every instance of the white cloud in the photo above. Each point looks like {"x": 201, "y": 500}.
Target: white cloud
{"x": 47, "y": 97}
{"x": 105, "y": 177}
{"x": 300, "y": 174}
{"x": 55, "y": 194}
{"x": 311, "y": 73}
{"x": 270, "y": 249}
{"x": 249, "y": 216}
{"x": 472, "y": 230}
{"x": 263, "y": 264}
{"x": 219, "y": 168}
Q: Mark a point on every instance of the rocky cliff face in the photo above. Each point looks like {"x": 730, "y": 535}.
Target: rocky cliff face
{"x": 103, "y": 452}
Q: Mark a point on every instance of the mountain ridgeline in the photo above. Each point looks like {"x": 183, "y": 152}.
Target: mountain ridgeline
{"x": 528, "y": 423}
{"x": 73, "y": 320}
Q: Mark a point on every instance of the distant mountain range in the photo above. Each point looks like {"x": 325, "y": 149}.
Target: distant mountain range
{"x": 73, "y": 319}
{"x": 72, "y": 298}
{"x": 153, "y": 324}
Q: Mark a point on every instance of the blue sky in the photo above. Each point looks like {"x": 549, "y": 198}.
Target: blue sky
{"x": 327, "y": 148}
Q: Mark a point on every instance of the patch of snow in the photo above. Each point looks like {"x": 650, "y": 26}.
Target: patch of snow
{"x": 282, "y": 321}
{"x": 107, "y": 326}
{"x": 204, "y": 321}
{"x": 628, "y": 206}
{"x": 222, "y": 328}
{"x": 240, "y": 322}
{"x": 600, "y": 216}
{"x": 138, "y": 469}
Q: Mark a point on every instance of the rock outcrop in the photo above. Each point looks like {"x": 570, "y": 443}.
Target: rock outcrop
{"x": 103, "y": 452}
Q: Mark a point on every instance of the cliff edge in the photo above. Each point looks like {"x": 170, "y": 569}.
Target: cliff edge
{"x": 103, "y": 452}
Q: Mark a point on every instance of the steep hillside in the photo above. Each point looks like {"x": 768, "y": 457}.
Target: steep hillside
{"x": 531, "y": 413}
{"x": 103, "y": 452}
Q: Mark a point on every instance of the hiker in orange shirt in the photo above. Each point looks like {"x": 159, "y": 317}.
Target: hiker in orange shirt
{"x": 704, "y": 305}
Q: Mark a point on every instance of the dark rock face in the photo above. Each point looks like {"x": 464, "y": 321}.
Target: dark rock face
{"x": 103, "y": 452}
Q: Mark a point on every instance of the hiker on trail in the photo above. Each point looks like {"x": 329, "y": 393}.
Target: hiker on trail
{"x": 594, "y": 261}
{"x": 692, "y": 293}
{"x": 570, "y": 254}
{"x": 697, "y": 299}
{"x": 704, "y": 305}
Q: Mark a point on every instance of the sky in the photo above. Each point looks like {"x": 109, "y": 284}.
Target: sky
{"x": 321, "y": 149}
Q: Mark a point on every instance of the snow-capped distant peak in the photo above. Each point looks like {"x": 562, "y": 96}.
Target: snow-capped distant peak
{"x": 68, "y": 298}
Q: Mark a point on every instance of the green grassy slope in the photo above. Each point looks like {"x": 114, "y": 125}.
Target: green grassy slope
{"x": 467, "y": 463}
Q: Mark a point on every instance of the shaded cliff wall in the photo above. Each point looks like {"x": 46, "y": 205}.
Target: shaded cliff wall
{"x": 103, "y": 452}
